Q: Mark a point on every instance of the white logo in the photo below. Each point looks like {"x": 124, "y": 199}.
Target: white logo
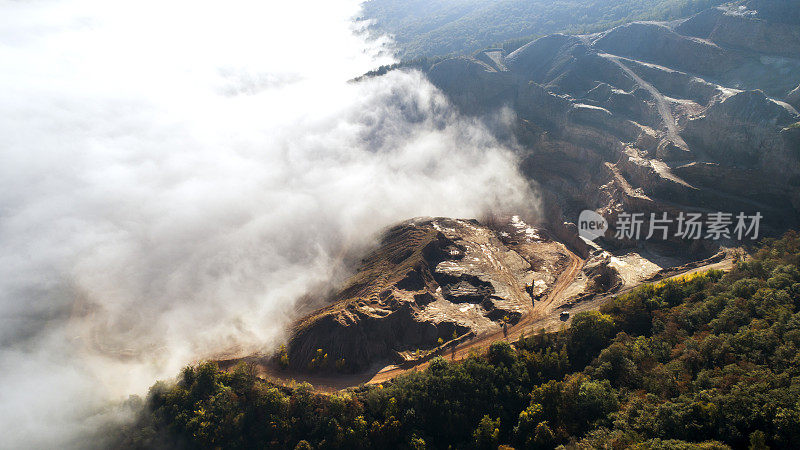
{"x": 591, "y": 225}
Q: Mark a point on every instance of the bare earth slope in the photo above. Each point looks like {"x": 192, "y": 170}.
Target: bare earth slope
{"x": 430, "y": 283}
{"x": 691, "y": 115}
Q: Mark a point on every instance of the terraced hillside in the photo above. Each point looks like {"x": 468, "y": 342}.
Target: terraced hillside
{"x": 697, "y": 114}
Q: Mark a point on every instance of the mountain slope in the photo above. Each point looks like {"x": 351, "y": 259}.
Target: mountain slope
{"x": 652, "y": 117}
{"x": 440, "y": 27}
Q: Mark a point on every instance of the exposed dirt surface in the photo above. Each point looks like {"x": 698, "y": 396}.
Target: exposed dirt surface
{"x": 431, "y": 284}
{"x": 527, "y": 325}
{"x": 648, "y": 117}
{"x": 563, "y": 285}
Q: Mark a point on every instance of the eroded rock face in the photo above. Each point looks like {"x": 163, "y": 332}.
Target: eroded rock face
{"x": 429, "y": 282}
{"x": 652, "y": 117}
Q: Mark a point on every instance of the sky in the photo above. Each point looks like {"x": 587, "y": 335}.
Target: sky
{"x": 174, "y": 176}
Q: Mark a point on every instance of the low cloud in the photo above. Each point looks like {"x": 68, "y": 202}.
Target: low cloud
{"x": 173, "y": 178}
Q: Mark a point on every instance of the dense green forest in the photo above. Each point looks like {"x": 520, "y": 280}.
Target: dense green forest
{"x": 709, "y": 361}
{"x": 440, "y": 27}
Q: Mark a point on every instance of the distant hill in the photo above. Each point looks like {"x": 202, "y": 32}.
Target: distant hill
{"x": 440, "y": 27}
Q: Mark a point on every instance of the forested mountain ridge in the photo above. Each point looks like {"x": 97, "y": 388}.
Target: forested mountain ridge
{"x": 441, "y": 27}
{"x": 709, "y": 361}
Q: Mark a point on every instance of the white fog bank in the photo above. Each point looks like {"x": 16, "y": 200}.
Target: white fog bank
{"x": 175, "y": 175}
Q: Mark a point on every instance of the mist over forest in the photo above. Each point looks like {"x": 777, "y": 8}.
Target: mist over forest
{"x": 360, "y": 224}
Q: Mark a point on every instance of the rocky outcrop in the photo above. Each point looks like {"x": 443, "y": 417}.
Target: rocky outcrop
{"x": 430, "y": 281}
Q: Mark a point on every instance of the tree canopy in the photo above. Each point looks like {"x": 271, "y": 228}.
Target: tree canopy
{"x": 709, "y": 361}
